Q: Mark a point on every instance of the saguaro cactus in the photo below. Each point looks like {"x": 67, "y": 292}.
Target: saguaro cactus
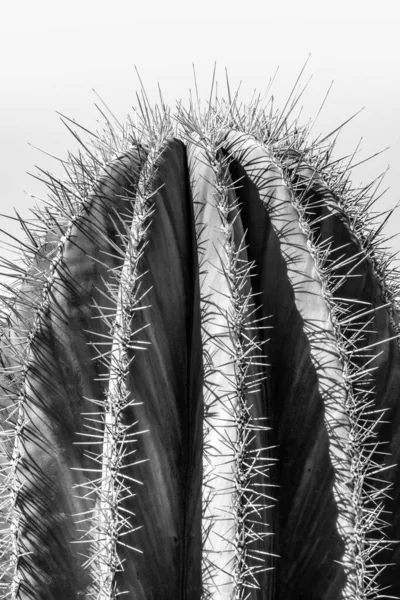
{"x": 200, "y": 371}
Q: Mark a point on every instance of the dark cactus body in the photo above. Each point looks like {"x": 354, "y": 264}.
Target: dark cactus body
{"x": 201, "y": 375}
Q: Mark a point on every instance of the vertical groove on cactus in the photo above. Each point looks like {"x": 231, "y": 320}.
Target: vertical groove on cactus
{"x": 311, "y": 302}
{"x": 352, "y": 324}
{"x": 374, "y": 285}
{"x": 112, "y": 521}
{"x": 15, "y": 346}
{"x": 19, "y": 501}
{"x": 304, "y": 468}
{"x": 166, "y": 315}
{"x": 40, "y": 463}
{"x": 236, "y": 461}
{"x": 200, "y": 371}
{"x": 350, "y": 417}
{"x": 37, "y": 282}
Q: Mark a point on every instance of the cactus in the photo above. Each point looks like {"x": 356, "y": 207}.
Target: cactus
{"x": 200, "y": 370}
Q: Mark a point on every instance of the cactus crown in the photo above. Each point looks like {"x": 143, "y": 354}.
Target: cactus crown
{"x": 200, "y": 368}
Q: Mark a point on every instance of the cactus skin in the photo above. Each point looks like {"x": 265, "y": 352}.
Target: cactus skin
{"x": 200, "y": 372}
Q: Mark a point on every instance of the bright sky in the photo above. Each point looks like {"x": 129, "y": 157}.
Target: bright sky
{"x": 53, "y": 54}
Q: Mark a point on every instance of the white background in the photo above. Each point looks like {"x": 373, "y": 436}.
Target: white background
{"x": 54, "y": 52}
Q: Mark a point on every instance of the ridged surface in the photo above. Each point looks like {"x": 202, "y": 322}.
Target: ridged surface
{"x": 305, "y": 504}
{"x": 60, "y": 375}
{"x": 215, "y": 282}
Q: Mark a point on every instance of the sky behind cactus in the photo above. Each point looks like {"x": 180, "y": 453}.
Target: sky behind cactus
{"x": 53, "y": 54}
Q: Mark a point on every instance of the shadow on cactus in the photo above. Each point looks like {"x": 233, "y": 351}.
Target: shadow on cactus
{"x": 200, "y": 370}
